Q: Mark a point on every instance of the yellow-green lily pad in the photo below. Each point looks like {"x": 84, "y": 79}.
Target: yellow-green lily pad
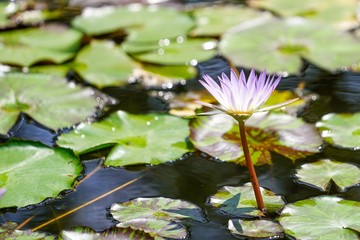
{"x": 341, "y": 129}
{"x": 320, "y": 174}
{"x": 325, "y": 217}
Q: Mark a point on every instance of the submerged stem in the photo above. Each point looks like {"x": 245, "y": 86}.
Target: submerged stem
{"x": 250, "y": 166}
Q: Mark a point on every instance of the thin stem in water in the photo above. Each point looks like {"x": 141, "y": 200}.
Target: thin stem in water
{"x": 250, "y": 166}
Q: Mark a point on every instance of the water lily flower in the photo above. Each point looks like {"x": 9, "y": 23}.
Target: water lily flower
{"x": 241, "y": 97}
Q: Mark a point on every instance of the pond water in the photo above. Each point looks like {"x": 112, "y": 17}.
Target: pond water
{"x": 194, "y": 177}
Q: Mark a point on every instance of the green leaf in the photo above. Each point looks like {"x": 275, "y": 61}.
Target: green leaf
{"x": 337, "y": 12}
{"x": 325, "y": 217}
{"x": 4, "y": 20}
{"x": 320, "y": 174}
{"x": 156, "y": 138}
{"x": 156, "y": 208}
{"x": 140, "y": 22}
{"x": 157, "y": 216}
{"x": 31, "y": 172}
{"x": 8, "y": 232}
{"x": 103, "y": 63}
{"x": 217, "y": 19}
{"x": 26, "y": 47}
{"x": 86, "y": 233}
{"x": 241, "y": 202}
{"x": 56, "y": 70}
{"x": 48, "y": 100}
{"x": 283, "y": 43}
{"x": 341, "y": 129}
{"x": 163, "y": 76}
{"x": 218, "y": 136}
{"x": 255, "y": 228}
{"x": 157, "y": 228}
{"x": 180, "y": 52}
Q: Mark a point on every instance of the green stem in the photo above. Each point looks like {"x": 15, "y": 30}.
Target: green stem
{"x": 250, "y": 166}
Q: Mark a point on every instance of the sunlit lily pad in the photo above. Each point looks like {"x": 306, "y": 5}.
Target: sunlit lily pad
{"x": 320, "y": 174}
{"x": 158, "y": 228}
{"x": 255, "y": 228}
{"x": 31, "y": 172}
{"x": 157, "y": 138}
{"x": 141, "y": 23}
{"x": 49, "y": 100}
{"x": 158, "y": 208}
{"x": 341, "y": 13}
{"x": 56, "y": 70}
{"x": 217, "y": 19}
{"x": 163, "y": 76}
{"x": 283, "y": 43}
{"x": 218, "y": 136}
{"x": 325, "y": 217}
{"x": 4, "y": 20}
{"x": 86, "y": 233}
{"x": 26, "y": 47}
{"x": 8, "y": 231}
{"x": 180, "y": 52}
{"x": 241, "y": 202}
{"x": 341, "y": 129}
{"x": 156, "y": 216}
{"x": 103, "y": 63}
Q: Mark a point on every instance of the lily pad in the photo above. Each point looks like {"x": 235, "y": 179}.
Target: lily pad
{"x": 86, "y": 233}
{"x": 283, "y": 43}
{"x": 218, "y": 136}
{"x": 341, "y": 129}
{"x": 157, "y": 228}
{"x": 156, "y": 138}
{"x": 26, "y": 47}
{"x": 325, "y": 217}
{"x": 156, "y": 208}
{"x": 338, "y": 12}
{"x": 31, "y": 172}
{"x": 141, "y": 23}
{"x": 217, "y": 19}
{"x": 8, "y": 231}
{"x": 48, "y": 100}
{"x": 255, "y": 228}
{"x": 189, "y": 51}
{"x": 241, "y": 202}
{"x": 56, "y": 70}
{"x": 163, "y": 76}
{"x": 320, "y": 174}
{"x": 103, "y": 63}
{"x": 157, "y": 216}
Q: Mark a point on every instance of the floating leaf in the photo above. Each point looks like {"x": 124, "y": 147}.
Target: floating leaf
{"x": 31, "y": 172}
{"x": 217, "y": 19}
{"x": 8, "y": 231}
{"x": 48, "y": 100}
{"x": 4, "y": 20}
{"x": 103, "y": 63}
{"x": 181, "y": 52}
{"x": 157, "y": 216}
{"x": 282, "y": 43}
{"x": 218, "y": 136}
{"x": 255, "y": 228}
{"x": 157, "y": 228}
{"x": 140, "y": 22}
{"x": 56, "y": 70}
{"x": 163, "y": 76}
{"x": 156, "y": 208}
{"x": 320, "y": 174}
{"x": 26, "y": 47}
{"x": 341, "y": 129}
{"x": 156, "y": 138}
{"x": 86, "y": 233}
{"x": 341, "y": 13}
{"x": 240, "y": 201}
{"x": 325, "y": 217}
